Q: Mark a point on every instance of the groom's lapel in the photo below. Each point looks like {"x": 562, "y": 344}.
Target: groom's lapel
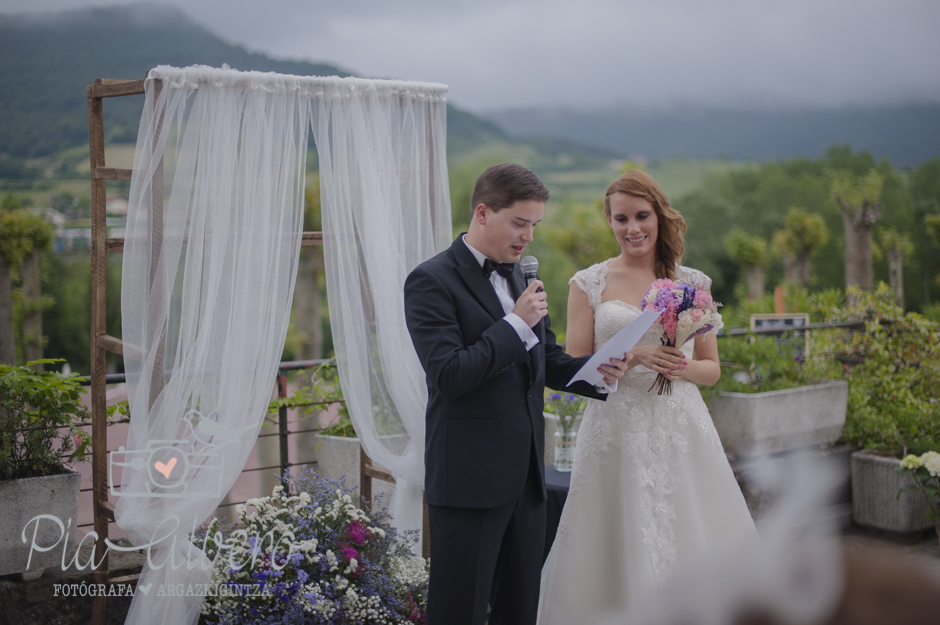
{"x": 472, "y": 274}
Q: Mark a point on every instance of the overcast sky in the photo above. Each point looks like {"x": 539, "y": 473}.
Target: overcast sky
{"x": 600, "y": 53}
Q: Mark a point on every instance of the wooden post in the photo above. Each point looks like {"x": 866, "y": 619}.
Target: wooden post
{"x": 100, "y": 342}
{"x": 779, "y": 301}
{"x": 99, "y": 424}
{"x": 7, "y": 340}
{"x": 157, "y": 378}
{"x": 32, "y": 298}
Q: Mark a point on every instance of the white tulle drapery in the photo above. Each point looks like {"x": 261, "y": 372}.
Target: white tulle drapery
{"x": 210, "y": 258}
{"x": 386, "y": 208}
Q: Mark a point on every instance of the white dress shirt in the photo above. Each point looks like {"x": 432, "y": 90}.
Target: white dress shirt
{"x": 503, "y": 292}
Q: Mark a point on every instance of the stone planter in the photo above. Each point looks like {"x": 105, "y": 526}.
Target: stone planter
{"x": 339, "y": 455}
{"x": 26, "y": 498}
{"x": 752, "y": 424}
{"x": 875, "y": 503}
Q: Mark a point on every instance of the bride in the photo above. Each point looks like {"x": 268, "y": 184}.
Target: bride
{"x": 651, "y": 483}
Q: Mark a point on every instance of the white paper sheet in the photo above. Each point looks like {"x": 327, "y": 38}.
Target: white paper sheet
{"x": 616, "y": 347}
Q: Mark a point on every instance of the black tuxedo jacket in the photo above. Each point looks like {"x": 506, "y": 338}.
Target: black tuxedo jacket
{"x": 485, "y": 391}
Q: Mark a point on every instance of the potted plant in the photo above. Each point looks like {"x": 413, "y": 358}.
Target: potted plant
{"x": 39, "y": 435}
{"x": 565, "y": 408}
{"x": 924, "y": 472}
{"x": 769, "y": 401}
{"x": 892, "y": 367}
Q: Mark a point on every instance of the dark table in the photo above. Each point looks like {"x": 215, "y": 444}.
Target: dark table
{"x": 557, "y": 484}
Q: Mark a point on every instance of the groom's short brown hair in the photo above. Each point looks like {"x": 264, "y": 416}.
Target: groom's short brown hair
{"x": 501, "y": 186}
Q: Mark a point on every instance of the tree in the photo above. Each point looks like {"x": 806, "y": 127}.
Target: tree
{"x": 23, "y": 235}
{"x": 897, "y": 246}
{"x": 933, "y": 228}
{"x": 750, "y": 252}
{"x": 859, "y": 200}
{"x": 584, "y": 236}
{"x": 796, "y": 242}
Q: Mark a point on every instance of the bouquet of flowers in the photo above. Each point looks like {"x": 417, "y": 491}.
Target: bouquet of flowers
{"x": 306, "y": 554}
{"x": 686, "y": 313}
{"x": 925, "y": 469}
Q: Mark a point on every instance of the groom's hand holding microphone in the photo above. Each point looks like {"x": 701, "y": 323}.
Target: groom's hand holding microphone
{"x": 532, "y": 305}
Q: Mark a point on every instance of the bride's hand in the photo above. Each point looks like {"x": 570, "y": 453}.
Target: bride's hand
{"x": 669, "y": 361}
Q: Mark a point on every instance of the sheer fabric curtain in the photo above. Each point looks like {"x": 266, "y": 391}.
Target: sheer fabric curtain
{"x": 386, "y": 208}
{"x": 210, "y": 259}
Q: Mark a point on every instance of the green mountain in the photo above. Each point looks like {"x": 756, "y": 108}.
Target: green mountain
{"x": 47, "y": 60}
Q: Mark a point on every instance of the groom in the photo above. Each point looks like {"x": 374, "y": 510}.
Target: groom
{"x": 476, "y": 328}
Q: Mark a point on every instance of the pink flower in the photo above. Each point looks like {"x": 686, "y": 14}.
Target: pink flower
{"x": 670, "y": 321}
{"x": 349, "y": 553}
{"x": 696, "y": 314}
{"x": 357, "y": 532}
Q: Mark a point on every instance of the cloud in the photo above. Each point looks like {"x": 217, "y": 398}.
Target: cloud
{"x": 599, "y": 53}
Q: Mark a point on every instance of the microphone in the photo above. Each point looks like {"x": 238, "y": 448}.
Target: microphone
{"x": 530, "y": 267}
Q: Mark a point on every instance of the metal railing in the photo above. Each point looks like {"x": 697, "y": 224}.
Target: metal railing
{"x": 283, "y": 427}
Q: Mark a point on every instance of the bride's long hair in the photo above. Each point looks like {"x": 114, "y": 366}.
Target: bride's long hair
{"x": 670, "y": 243}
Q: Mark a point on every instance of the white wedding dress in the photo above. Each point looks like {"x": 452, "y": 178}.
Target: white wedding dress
{"x": 651, "y": 483}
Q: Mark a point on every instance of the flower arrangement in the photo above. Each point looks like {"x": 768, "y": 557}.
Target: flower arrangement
{"x": 925, "y": 469}
{"x": 567, "y": 408}
{"x": 686, "y": 313}
{"x": 306, "y": 555}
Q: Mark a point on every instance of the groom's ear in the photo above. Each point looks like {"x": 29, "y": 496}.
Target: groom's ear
{"x": 480, "y": 213}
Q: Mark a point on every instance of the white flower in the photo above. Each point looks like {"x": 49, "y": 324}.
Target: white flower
{"x": 911, "y": 462}
{"x": 931, "y": 460}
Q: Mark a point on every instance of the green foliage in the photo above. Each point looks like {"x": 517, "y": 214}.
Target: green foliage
{"x": 818, "y": 304}
{"x": 583, "y": 236}
{"x": 893, "y": 241}
{"x": 933, "y": 228}
{"x": 892, "y": 368}
{"x": 313, "y": 221}
{"x": 21, "y": 231}
{"x": 67, "y": 324}
{"x": 802, "y": 234}
{"x": 856, "y": 191}
{"x": 324, "y": 389}
{"x": 343, "y": 427}
{"x": 38, "y": 415}
{"x": 759, "y": 363}
{"x": 745, "y": 249}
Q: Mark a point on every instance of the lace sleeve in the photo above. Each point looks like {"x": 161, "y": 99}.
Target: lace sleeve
{"x": 698, "y": 279}
{"x": 592, "y": 281}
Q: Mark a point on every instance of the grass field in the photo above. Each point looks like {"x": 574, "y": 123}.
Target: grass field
{"x": 568, "y": 186}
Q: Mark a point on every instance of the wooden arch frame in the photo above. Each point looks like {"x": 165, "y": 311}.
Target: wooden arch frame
{"x": 102, "y": 343}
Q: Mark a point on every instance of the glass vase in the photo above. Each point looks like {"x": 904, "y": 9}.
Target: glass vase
{"x": 565, "y": 443}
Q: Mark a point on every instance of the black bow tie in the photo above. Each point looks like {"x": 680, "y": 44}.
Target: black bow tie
{"x": 503, "y": 269}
